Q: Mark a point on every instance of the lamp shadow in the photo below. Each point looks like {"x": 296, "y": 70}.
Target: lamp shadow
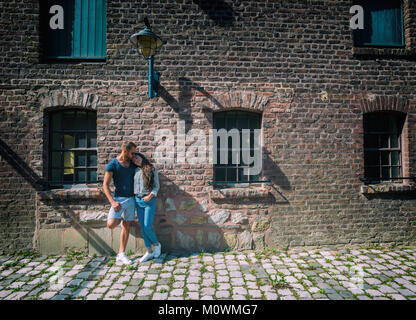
{"x": 218, "y": 11}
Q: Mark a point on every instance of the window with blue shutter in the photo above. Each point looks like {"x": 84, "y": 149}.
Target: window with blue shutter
{"x": 84, "y": 33}
{"x": 383, "y": 24}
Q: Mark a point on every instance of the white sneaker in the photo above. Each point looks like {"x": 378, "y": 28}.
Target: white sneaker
{"x": 157, "y": 250}
{"x": 146, "y": 257}
{"x": 122, "y": 259}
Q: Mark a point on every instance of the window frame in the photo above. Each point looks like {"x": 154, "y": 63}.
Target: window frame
{"x": 230, "y": 166}
{"x": 400, "y": 119}
{"x": 87, "y": 150}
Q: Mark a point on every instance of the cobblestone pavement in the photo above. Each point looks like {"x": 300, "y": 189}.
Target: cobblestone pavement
{"x": 273, "y": 275}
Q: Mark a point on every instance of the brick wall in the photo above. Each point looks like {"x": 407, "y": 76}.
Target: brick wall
{"x": 293, "y": 61}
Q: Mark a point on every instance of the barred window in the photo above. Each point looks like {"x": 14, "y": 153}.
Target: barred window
{"x": 73, "y": 147}
{"x": 383, "y": 145}
{"x": 228, "y": 120}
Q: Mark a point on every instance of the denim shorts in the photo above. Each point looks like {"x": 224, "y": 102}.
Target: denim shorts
{"x": 127, "y": 209}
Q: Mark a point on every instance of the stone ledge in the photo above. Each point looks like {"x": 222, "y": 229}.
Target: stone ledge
{"x": 70, "y": 194}
{"x": 239, "y": 193}
{"x": 369, "y": 51}
{"x": 93, "y": 217}
{"x": 387, "y": 188}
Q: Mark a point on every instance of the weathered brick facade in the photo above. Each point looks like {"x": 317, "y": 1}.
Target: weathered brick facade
{"x": 293, "y": 61}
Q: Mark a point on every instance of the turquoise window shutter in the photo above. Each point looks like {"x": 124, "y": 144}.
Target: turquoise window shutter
{"x": 383, "y": 24}
{"x": 84, "y": 34}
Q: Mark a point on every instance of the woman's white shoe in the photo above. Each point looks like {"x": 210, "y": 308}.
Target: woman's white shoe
{"x": 157, "y": 250}
{"x": 146, "y": 257}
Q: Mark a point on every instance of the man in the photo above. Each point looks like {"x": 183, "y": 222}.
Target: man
{"x": 121, "y": 170}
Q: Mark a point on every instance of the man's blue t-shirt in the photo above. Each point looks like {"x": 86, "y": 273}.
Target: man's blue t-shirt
{"x": 122, "y": 177}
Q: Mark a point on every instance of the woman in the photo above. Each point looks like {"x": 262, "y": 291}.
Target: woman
{"x": 146, "y": 186}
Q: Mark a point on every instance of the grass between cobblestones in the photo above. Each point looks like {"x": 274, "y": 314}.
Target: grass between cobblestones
{"x": 372, "y": 272}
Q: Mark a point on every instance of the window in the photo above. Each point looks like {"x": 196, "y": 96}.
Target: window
{"x": 383, "y": 24}
{"x": 73, "y": 147}
{"x": 234, "y": 172}
{"x": 84, "y": 32}
{"x": 383, "y": 145}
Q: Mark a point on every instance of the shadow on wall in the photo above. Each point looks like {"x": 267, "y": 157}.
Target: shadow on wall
{"x": 272, "y": 172}
{"x": 21, "y": 167}
{"x": 182, "y": 223}
{"x": 182, "y": 106}
{"x": 218, "y": 11}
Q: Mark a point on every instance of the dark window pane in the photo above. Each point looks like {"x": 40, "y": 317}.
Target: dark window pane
{"x": 56, "y": 159}
{"x": 371, "y": 122}
{"x": 92, "y": 140}
{"x": 219, "y": 120}
{"x": 371, "y": 158}
{"x": 92, "y": 159}
{"x": 92, "y": 121}
{"x": 69, "y": 177}
{"x": 231, "y": 121}
{"x": 242, "y": 121}
{"x": 81, "y": 175}
{"x": 372, "y": 172}
{"x": 56, "y": 175}
{"x": 370, "y": 141}
{"x": 81, "y": 140}
{"x": 68, "y": 120}
{"x": 384, "y": 141}
{"x": 92, "y": 175}
{"x": 394, "y": 141}
{"x": 384, "y": 123}
{"x": 232, "y": 174}
{"x": 254, "y": 121}
{"x": 255, "y": 177}
{"x": 56, "y": 141}
{"x": 219, "y": 174}
{"x": 81, "y": 160}
{"x": 56, "y": 121}
{"x": 385, "y": 172}
{"x": 385, "y": 158}
{"x": 81, "y": 121}
{"x": 393, "y": 119}
{"x": 395, "y": 171}
{"x": 395, "y": 158}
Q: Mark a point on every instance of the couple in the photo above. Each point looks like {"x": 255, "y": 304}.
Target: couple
{"x": 136, "y": 185}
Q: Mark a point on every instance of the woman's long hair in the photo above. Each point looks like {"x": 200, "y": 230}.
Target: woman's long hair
{"x": 147, "y": 170}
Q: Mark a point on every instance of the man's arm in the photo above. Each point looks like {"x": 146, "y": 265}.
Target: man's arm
{"x": 108, "y": 176}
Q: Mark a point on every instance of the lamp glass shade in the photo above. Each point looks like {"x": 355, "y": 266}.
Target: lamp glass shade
{"x": 147, "y": 45}
{"x": 147, "y": 42}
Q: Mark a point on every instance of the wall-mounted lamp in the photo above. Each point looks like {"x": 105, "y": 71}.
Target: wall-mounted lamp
{"x": 148, "y": 43}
